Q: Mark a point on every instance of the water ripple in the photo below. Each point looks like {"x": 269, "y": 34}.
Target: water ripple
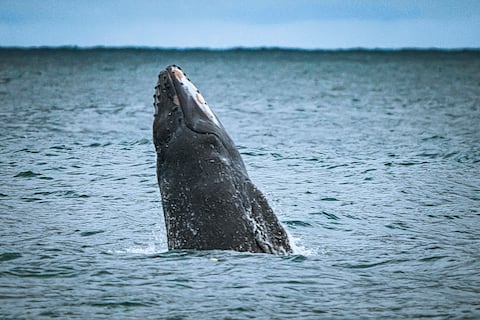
{"x": 371, "y": 163}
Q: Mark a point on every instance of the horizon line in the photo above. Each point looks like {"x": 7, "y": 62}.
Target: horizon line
{"x": 235, "y": 48}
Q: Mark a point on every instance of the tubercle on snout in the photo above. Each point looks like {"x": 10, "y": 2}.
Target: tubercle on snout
{"x": 164, "y": 88}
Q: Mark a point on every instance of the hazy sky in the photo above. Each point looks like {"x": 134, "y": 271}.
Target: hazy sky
{"x": 249, "y": 23}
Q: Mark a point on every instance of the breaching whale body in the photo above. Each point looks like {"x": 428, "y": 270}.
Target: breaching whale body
{"x": 208, "y": 199}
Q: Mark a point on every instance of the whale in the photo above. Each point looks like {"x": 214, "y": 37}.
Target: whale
{"x": 208, "y": 199}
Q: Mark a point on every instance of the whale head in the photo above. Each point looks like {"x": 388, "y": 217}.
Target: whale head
{"x": 179, "y": 103}
{"x": 183, "y": 116}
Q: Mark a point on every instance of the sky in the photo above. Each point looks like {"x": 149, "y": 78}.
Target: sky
{"x": 308, "y": 24}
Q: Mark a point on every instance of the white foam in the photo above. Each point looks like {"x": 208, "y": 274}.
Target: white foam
{"x": 155, "y": 245}
{"x": 297, "y": 248}
{"x": 151, "y": 248}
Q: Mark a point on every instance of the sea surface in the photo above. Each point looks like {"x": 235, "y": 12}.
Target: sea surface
{"x": 370, "y": 159}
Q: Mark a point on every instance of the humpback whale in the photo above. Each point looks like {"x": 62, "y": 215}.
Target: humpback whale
{"x": 208, "y": 199}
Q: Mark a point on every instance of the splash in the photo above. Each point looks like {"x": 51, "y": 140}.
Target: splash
{"x": 155, "y": 245}
{"x": 297, "y": 246}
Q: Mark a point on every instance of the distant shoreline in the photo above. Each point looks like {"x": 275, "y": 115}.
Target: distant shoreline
{"x": 231, "y": 49}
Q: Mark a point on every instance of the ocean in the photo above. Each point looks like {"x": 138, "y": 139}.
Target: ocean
{"x": 370, "y": 159}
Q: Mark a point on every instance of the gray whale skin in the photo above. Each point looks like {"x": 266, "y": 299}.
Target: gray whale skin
{"x": 209, "y": 202}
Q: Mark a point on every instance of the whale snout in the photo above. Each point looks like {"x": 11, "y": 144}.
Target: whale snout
{"x": 176, "y": 71}
{"x": 190, "y": 98}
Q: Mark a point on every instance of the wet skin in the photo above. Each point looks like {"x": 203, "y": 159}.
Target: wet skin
{"x": 208, "y": 199}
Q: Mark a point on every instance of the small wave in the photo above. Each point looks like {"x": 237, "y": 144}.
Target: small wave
{"x": 102, "y": 273}
{"x": 297, "y": 223}
{"x": 7, "y": 256}
{"x": 405, "y": 163}
{"x": 329, "y": 216}
{"x": 433, "y": 258}
{"x": 29, "y": 272}
{"x": 433, "y": 137}
{"x": 28, "y": 150}
{"x": 4, "y": 80}
{"x": 61, "y": 147}
{"x": 253, "y": 153}
{"x": 62, "y": 193}
{"x": 122, "y": 304}
{"x": 27, "y": 174}
{"x": 142, "y": 141}
{"x": 98, "y": 144}
{"x": 329, "y": 199}
{"x": 95, "y": 145}
{"x": 150, "y": 249}
{"x": 297, "y": 257}
{"x": 90, "y": 233}
{"x": 73, "y": 194}
{"x": 31, "y": 199}
{"x": 31, "y": 174}
{"x": 337, "y": 166}
{"x": 398, "y": 225}
{"x": 430, "y": 155}
{"x": 372, "y": 264}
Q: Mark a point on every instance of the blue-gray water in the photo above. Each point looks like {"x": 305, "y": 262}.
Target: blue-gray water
{"x": 371, "y": 160}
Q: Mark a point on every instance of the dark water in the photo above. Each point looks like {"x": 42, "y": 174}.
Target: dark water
{"x": 370, "y": 159}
